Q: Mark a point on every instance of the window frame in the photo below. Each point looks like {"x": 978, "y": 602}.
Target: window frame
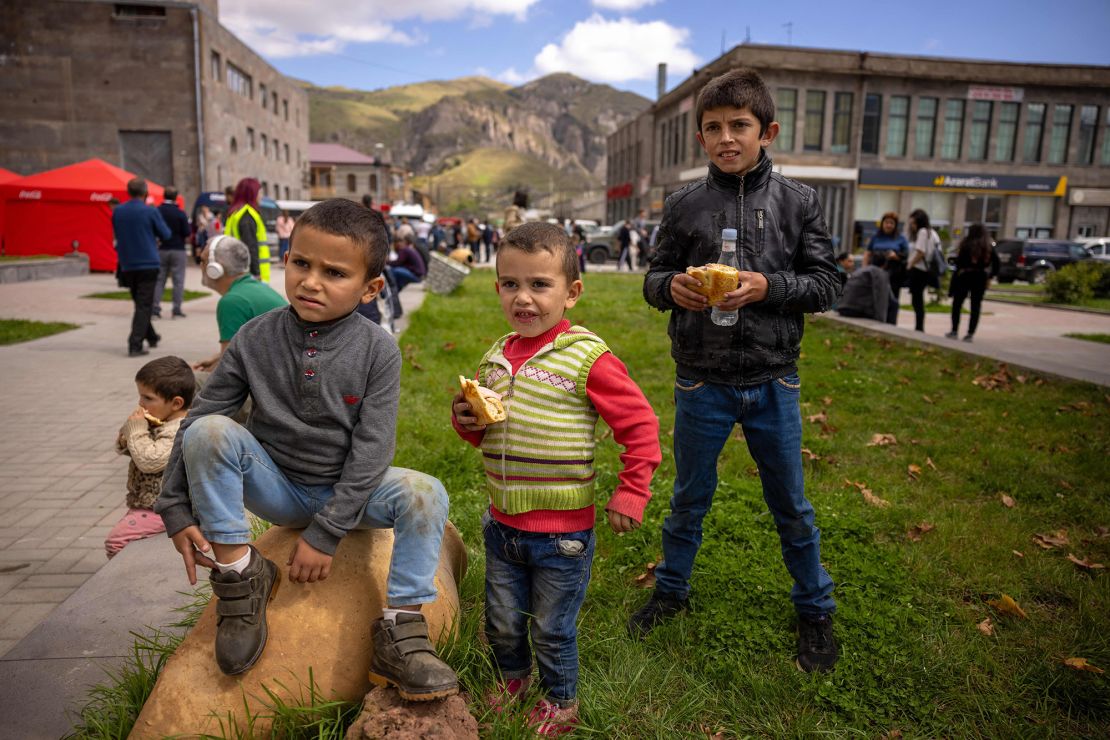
{"x": 892, "y": 131}
{"x": 931, "y": 121}
{"x": 842, "y": 123}
{"x": 816, "y": 114}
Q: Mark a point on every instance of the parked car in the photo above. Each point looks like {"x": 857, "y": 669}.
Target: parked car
{"x": 603, "y": 244}
{"x": 1031, "y": 260}
{"x": 1098, "y": 246}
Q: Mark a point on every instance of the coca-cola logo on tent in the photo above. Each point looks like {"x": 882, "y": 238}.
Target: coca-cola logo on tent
{"x": 30, "y": 194}
{"x": 100, "y": 197}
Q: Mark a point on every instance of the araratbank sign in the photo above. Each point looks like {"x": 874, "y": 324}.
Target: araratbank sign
{"x": 954, "y": 181}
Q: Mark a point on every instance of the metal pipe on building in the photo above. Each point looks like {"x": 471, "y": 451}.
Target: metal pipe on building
{"x": 199, "y": 107}
{"x": 661, "y": 81}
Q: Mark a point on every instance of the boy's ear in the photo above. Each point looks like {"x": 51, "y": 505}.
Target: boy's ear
{"x": 769, "y": 135}
{"x": 373, "y": 287}
{"x": 177, "y": 403}
{"x": 701, "y": 141}
{"x": 574, "y": 292}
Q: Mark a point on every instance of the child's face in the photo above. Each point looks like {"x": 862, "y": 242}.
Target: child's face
{"x": 731, "y": 138}
{"x": 325, "y": 276}
{"x": 533, "y": 289}
{"x": 157, "y": 406}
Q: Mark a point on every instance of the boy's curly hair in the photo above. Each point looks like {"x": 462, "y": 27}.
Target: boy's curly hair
{"x": 168, "y": 377}
{"x": 538, "y": 236}
{"x": 738, "y": 88}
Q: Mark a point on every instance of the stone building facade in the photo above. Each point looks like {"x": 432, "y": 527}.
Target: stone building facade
{"x": 157, "y": 87}
{"x": 1023, "y": 148}
{"x": 337, "y": 171}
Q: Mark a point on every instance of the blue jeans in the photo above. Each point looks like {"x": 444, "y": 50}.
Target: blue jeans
{"x": 404, "y": 276}
{"x": 538, "y": 578}
{"x": 771, "y": 418}
{"x": 229, "y": 472}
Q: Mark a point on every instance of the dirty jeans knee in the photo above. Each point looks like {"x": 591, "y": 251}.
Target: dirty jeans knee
{"x": 415, "y": 506}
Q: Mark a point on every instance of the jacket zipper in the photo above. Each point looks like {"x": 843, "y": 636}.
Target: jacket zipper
{"x": 739, "y": 252}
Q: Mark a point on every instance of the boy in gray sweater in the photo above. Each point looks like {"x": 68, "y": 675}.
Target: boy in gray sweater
{"x": 315, "y": 453}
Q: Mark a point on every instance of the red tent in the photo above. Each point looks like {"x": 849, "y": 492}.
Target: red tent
{"x": 46, "y": 213}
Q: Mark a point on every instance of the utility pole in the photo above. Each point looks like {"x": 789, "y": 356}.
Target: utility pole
{"x": 747, "y": 34}
{"x": 789, "y": 26}
{"x": 722, "y": 41}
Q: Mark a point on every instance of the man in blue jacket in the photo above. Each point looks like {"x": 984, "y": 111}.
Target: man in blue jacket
{"x": 171, "y": 253}
{"x": 137, "y": 227}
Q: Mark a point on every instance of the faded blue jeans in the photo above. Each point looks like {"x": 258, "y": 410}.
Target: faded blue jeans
{"x": 705, "y": 414}
{"x": 537, "y": 578}
{"x": 230, "y": 472}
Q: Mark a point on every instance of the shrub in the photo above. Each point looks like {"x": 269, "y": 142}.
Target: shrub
{"x": 1078, "y": 282}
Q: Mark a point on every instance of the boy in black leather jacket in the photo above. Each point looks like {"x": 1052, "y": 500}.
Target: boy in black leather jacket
{"x": 746, "y": 373}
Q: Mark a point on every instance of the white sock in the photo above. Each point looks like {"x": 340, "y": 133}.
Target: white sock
{"x": 390, "y": 615}
{"x": 238, "y": 566}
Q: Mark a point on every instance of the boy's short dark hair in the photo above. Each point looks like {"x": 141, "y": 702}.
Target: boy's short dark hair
{"x": 350, "y": 220}
{"x": 538, "y": 236}
{"x": 738, "y": 88}
{"x": 168, "y": 377}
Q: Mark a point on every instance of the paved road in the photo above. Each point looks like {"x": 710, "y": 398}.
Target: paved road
{"x": 64, "y": 397}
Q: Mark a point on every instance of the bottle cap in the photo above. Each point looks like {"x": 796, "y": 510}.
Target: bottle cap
{"x": 728, "y": 235}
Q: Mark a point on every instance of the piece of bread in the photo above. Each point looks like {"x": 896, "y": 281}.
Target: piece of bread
{"x": 716, "y": 280}
{"x": 485, "y": 404}
{"x": 153, "y": 419}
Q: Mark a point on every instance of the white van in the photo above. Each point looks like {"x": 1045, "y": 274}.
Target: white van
{"x": 296, "y": 207}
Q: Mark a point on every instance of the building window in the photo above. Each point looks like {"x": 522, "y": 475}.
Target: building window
{"x": 1088, "y": 125}
{"x": 1034, "y": 131}
{"x": 984, "y": 209}
{"x": 277, "y": 151}
{"x": 374, "y": 184}
{"x": 1006, "y": 138}
{"x": 140, "y": 11}
{"x": 1036, "y": 215}
{"x": 842, "y": 122}
{"x": 980, "y": 129}
{"x": 952, "y": 142}
{"x": 265, "y": 190}
{"x": 214, "y": 66}
{"x": 286, "y": 153}
{"x": 234, "y": 146}
{"x": 250, "y": 139}
{"x": 872, "y": 117}
{"x": 265, "y": 146}
{"x": 897, "y": 123}
{"x": 786, "y": 100}
{"x": 274, "y": 99}
{"x": 1061, "y": 134}
{"x": 352, "y": 185}
{"x": 285, "y": 109}
{"x": 1106, "y": 138}
{"x": 262, "y": 94}
{"x": 815, "y": 120}
{"x": 287, "y": 192}
{"x": 239, "y": 81}
{"x": 926, "y": 127}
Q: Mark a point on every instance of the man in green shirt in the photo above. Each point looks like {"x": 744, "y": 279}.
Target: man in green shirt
{"x": 226, "y": 264}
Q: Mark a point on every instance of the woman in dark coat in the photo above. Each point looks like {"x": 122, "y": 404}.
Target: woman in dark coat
{"x": 976, "y": 264}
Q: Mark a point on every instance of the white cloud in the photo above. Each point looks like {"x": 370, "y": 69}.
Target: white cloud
{"x": 623, "y": 5}
{"x": 288, "y": 28}
{"x": 512, "y": 77}
{"x": 618, "y": 50}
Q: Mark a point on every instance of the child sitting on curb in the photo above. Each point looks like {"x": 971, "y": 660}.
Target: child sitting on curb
{"x": 315, "y": 453}
{"x": 166, "y": 388}
{"x": 555, "y": 380}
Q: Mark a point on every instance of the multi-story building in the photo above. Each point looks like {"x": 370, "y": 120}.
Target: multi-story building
{"x": 157, "y": 87}
{"x": 1023, "y": 148}
{"x": 337, "y": 171}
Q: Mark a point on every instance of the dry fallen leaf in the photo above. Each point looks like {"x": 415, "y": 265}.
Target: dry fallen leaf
{"x": 986, "y": 627}
{"x": 647, "y": 578}
{"x": 1101, "y": 531}
{"x": 856, "y": 484}
{"x": 874, "y": 500}
{"x": 1059, "y": 538}
{"x": 1081, "y": 664}
{"x": 810, "y": 454}
{"x": 826, "y": 401}
{"x": 893, "y": 735}
{"x": 1006, "y": 605}
{"x": 448, "y": 346}
{"x": 605, "y": 433}
{"x": 1018, "y": 553}
{"x": 1085, "y": 564}
{"x": 712, "y": 733}
{"x": 928, "y": 400}
{"x": 914, "y": 535}
{"x": 1007, "y": 501}
{"x": 819, "y": 418}
{"x": 882, "y": 440}
{"x": 914, "y": 471}
{"x": 931, "y": 464}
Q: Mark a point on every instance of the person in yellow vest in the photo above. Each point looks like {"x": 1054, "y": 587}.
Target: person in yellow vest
{"x": 245, "y": 224}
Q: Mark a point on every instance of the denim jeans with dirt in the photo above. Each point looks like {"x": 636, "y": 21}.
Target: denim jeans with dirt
{"x": 770, "y": 416}
{"x": 536, "y": 582}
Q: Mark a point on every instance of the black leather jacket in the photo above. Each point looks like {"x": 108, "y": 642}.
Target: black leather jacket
{"x": 782, "y": 234}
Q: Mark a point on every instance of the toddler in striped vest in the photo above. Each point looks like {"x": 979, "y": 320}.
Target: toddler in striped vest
{"x": 555, "y": 380}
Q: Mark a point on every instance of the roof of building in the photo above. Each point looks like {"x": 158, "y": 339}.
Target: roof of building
{"x": 320, "y": 153}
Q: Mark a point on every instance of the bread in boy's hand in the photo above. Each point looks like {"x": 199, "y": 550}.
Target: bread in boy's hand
{"x": 154, "y": 420}
{"x": 716, "y": 280}
{"x": 485, "y": 404}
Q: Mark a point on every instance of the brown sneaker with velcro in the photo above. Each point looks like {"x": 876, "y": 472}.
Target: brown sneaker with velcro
{"x": 404, "y": 657}
{"x": 241, "y": 612}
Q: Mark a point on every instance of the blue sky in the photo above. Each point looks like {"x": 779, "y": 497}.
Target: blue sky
{"x": 374, "y": 43}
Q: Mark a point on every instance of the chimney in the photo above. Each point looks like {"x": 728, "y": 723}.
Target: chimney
{"x": 661, "y": 83}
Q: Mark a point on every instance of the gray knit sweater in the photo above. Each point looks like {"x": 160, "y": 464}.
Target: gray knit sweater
{"x": 325, "y": 409}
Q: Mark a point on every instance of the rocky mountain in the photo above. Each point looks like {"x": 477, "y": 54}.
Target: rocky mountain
{"x": 477, "y": 134}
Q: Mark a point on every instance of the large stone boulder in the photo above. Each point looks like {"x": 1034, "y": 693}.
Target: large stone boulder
{"x": 321, "y": 626}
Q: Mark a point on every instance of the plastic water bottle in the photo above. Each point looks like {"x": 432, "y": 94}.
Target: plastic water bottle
{"x": 728, "y": 257}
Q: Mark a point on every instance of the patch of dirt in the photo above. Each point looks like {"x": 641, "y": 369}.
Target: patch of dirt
{"x": 386, "y": 715}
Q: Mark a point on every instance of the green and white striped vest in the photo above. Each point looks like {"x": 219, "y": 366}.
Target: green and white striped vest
{"x": 542, "y": 456}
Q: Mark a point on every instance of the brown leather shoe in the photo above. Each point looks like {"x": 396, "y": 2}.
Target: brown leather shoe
{"x": 241, "y": 612}
{"x": 404, "y": 657}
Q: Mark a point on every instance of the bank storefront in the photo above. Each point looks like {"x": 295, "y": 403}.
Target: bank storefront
{"x": 1009, "y": 205}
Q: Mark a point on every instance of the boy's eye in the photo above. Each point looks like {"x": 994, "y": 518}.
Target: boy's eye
{"x": 336, "y": 273}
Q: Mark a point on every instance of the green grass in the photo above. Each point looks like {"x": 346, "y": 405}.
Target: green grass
{"x": 167, "y": 295}
{"x": 931, "y": 307}
{"x": 1035, "y": 298}
{"x": 13, "y": 331}
{"x": 912, "y": 657}
{"x": 1104, "y": 338}
{"x": 1016, "y": 288}
{"x": 24, "y": 257}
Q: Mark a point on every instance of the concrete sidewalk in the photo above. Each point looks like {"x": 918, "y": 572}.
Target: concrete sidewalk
{"x": 63, "y": 399}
